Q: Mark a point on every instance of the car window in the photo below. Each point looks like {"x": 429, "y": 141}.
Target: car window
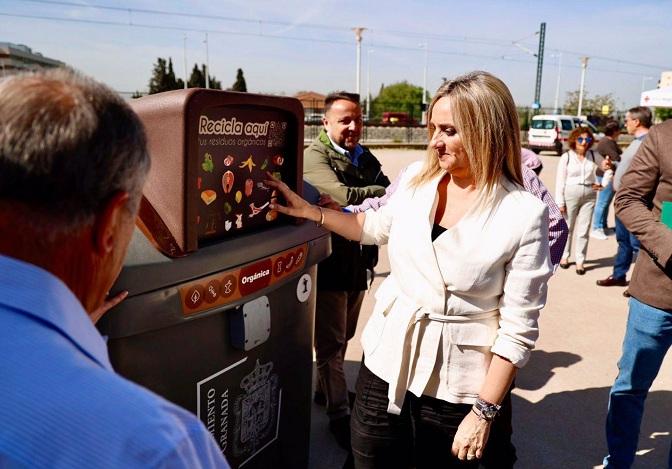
{"x": 566, "y": 124}
{"x": 543, "y": 124}
{"x": 589, "y": 125}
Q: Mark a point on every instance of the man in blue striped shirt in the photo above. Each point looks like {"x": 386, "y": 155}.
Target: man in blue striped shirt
{"x": 73, "y": 161}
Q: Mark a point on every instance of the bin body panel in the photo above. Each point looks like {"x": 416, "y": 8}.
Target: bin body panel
{"x": 255, "y": 403}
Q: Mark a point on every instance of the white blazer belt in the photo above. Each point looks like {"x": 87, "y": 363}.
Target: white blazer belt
{"x": 397, "y": 387}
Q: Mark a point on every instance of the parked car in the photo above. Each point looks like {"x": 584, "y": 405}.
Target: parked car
{"x": 551, "y": 131}
{"x": 397, "y": 118}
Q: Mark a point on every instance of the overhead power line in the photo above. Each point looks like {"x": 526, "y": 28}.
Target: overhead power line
{"x": 291, "y": 38}
{"x": 412, "y": 34}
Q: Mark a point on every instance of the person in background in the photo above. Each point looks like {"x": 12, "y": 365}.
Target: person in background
{"x": 457, "y": 316}
{"x": 642, "y": 205}
{"x": 73, "y": 161}
{"x": 336, "y": 164}
{"x": 531, "y": 160}
{"x": 637, "y": 122}
{"x": 575, "y": 187}
{"x": 607, "y": 149}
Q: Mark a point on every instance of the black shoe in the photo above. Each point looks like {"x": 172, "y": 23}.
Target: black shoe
{"x": 564, "y": 265}
{"x": 626, "y": 293}
{"x": 340, "y": 428}
{"x": 580, "y": 271}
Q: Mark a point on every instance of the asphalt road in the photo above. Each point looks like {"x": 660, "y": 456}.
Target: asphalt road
{"x": 560, "y": 402}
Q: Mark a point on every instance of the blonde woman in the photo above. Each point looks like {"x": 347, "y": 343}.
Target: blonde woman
{"x": 457, "y": 316}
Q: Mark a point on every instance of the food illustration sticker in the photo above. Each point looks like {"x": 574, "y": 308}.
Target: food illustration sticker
{"x": 264, "y": 165}
{"x": 239, "y": 220}
{"x": 227, "y": 181}
{"x": 207, "y": 165}
{"x": 254, "y": 210}
{"x": 249, "y": 163}
{"x": 208, "y": 196}
{"x": 228, "y": 161}
{"x": 249, "y": 186}
{"x": 227, "y": 225}
{"x": 227, "y": 208}
{"x": 239, "y": 196}
{"x": 278, "y": 160}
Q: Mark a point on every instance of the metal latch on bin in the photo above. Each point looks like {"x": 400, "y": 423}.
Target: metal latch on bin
{"x": 250, "y": 325}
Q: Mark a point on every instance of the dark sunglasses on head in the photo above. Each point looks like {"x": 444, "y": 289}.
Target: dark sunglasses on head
{"x": 584, "y": 140}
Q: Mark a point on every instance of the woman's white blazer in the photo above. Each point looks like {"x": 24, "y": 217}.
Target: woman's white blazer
{"x": 448, "y": 305}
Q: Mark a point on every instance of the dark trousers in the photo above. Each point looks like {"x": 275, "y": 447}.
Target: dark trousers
{"x": 422, "y": 436}
{"x": 336, "y": 317}
{"x": 628, "y": 246}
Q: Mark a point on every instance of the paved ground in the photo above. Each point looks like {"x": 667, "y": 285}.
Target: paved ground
{"x": 561, "y": 397}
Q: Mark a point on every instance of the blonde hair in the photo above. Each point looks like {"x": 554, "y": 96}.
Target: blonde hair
{"x": 486, "y": 119}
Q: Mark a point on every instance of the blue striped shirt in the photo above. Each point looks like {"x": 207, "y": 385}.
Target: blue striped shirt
{"x": 61, "y": 403}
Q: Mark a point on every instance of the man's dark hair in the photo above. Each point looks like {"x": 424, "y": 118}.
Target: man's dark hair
{"x": 67, "y": 144}
{"x": 642, "y": 114}
{"x": 612, "y": 128}
{"x": 338, "y": 95}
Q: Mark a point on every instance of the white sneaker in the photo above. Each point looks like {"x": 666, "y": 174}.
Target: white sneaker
{"x": 598, "y": 234}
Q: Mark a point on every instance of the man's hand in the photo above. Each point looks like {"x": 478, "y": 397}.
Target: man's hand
{"x": 606, "y": 164}
{"x": 109, "y": 303}
{"x": 471, "y": 437}
{"x": 563, "y": 209}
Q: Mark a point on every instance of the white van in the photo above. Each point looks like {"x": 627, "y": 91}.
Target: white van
{"x": 551, "y": 131}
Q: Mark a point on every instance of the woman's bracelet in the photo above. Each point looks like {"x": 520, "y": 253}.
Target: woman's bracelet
{"x": 321, "y": 222}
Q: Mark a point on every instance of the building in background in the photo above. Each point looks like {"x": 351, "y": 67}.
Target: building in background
{"x": 665, "y": 80}
{"x": 16, "y": 58}
{"x": 313, "y": 105}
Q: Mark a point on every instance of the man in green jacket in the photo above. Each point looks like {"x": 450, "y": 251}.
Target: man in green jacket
{"x": 336, "y": 164}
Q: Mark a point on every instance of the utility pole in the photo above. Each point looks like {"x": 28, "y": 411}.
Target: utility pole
{"x": 584, "y": 65}
{"x": 184, "y": 49}
{"x": 540, "y": 65}
{"x": 358, "y": 38}
{"x": 207, "y": 63}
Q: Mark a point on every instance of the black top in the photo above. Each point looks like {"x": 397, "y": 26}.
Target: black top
{"x": 437, "y": 230}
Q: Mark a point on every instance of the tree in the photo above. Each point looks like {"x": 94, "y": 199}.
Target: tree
{"x": 197, "y": 79}
{"x": 240, "y": 84}
{"x": 590, "y": 106}
{"x": 663, "y": 113}
{"x": 163, "y": 77}
{"x": 398, "y": 97}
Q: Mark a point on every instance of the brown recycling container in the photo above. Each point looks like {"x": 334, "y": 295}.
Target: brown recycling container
{"x": 219, "y": 318}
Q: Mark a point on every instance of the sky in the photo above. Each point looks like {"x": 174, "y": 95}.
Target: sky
{"x": 286, "y": 46}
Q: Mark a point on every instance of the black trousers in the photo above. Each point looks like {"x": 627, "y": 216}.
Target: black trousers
{"x": 422, "y": 435}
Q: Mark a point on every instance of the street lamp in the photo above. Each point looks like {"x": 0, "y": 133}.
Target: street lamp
{"x": 207, "y": 63}
{"x": 584, "y": 65}
{"x": 184, "y": 50}
{"x": 368, "y": 83}
{"x": 424, "y": 84}
{"x": 358, "y": 38}
{"x": 556, "y": 105}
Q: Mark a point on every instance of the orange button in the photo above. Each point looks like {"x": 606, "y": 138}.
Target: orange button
{"x": 194, "y": 296}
